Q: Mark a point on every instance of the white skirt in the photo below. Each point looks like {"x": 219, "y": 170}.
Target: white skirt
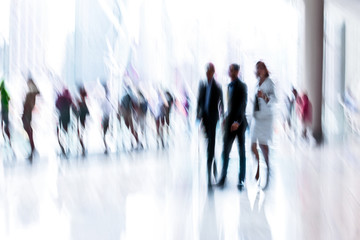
{"x": 261, "y": 130}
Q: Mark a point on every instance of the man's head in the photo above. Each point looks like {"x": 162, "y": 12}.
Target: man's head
{"x": 234, "y": 71}
{"x": 210, "y": 71}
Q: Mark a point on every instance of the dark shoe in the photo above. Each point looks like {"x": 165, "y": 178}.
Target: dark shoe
{"x": 221, "y": 183}
{"x": 30, "y": 158}
{"x": 257, "y": 176}
{"x": 240, "y": 186}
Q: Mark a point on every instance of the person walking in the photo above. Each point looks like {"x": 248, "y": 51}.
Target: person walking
{"x": 262, "y": 124}
{"x": 29, "y": 105}
{"x": 209, "y": 108}
{"x": 235, "y": 124}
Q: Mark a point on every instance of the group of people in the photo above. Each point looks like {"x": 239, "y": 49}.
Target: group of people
{"x": 134, "y": 106}
{"x": 131, "y": 109}
{"x": 210, "y": 108}
{"x": 64, "y": 103}
{"x": 29, "y": 105}
{"x": 298, "y": 109}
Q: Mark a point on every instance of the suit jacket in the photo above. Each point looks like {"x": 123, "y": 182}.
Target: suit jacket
{"x": 216, "y": 105}
{"x": 237, "y": 100}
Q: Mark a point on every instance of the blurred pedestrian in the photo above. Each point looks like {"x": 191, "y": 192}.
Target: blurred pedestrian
{"x": 83, "y": 112}
{"x": 305, "y": 115}
{"x": 106, "y": 112}
{"x": 167, "y": 108}
{"x": 126, "y": 109}
{"x": 209, "y": 108}
{"x": 158, "y": 111}
{"x": 29, "y": 105}
{"x": 262, "y": 123}
{"x": 5, "y": 111}
{"x": 141, "y": 113}
{"x": 235, "y": 125}
{"x": 63, "y": 104}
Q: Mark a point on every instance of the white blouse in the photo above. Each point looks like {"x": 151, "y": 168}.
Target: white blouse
{"x": 266, "y": 108}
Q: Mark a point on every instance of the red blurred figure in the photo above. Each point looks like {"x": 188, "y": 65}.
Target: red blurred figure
{"x": 63, "y": 104}
{"x": 305, "y": 108}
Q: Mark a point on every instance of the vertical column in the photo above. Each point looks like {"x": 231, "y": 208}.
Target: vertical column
{"x": 314, "y": 37}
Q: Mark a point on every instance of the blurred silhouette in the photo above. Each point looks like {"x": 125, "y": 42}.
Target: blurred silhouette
{"x": 209, "y": 108}
{"x": 126, "y": 108}
{"x": 5, "y": 98}
{"x": 159, "y": 112}
{"x": 167, "y": 108}
{"x": 63, "y": 104}
{"x": 262, "y": 124}
{"x": 289, "y": 104}
{"x": 141, "y": 112}
{"x": 106, "y": 108}
{"x": 29, "y": 105}
{"x": 235, "y": 124}
{"x": 305, "y": 114}
{"x": 297, "y": 108}
{"x": 83, "y": 111}
{"x": 186, "y": 105}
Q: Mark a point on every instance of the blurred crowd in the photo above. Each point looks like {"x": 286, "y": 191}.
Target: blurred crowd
{"x": 133, "y": 111}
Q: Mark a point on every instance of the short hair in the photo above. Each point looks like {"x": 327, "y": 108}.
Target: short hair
{"x": 236, "y": 67}
{"x": 209, "y": 66}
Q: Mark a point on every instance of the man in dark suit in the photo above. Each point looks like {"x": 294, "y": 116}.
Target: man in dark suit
{"x": 235, "y": 124}
{"x": 209, "y": 107}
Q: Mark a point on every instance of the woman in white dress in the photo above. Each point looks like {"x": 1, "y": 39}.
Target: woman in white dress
{"x": 262, "y": 123}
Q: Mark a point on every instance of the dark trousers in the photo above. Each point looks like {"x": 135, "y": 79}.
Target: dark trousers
{"x": 210, "y": 131}
{"x": 229, "y": 138}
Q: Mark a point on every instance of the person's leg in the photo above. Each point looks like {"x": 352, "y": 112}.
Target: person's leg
{"x": 256, "y": 154}
{"x": 63, "y": 124}
{"x": 162, "y": 124}
{"x": 143, "y": 129}
{"x": 167, "y": 124}
{"x": 2, "y": 127}
{"x": 210, "y": 135}
{"x": 81, "y": 135}
{"x": 132, "y": 129}
{"x": 265, "y": 151}
{"x": 242, "y": 154}
{"x": 58, "y": 129}
{"x": 157, "y": 121}
{"x": 105, "y": 124}
{"x": 228, "y": 141}
{"x": 7, "y": 132}
{"x": 29, "y": 131}
{"x": 5, "y": 121}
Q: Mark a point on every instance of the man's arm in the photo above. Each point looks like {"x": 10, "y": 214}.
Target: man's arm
{"x": 221, "y": 102}
{"x": 243, "y": 103}
{"x": 198, "y": 108}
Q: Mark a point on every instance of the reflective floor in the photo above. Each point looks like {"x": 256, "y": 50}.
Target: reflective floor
{"x": 314, "y": 193}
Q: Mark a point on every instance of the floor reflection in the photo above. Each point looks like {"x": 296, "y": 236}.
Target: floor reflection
{"x": 162, "y": 194}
